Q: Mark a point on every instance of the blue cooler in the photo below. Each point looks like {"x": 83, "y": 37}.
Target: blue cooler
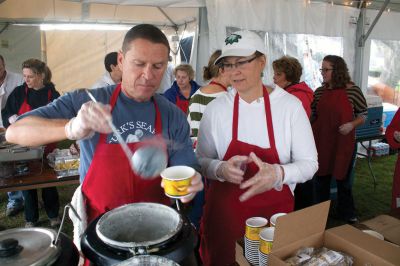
{"x": 372, "y": 125}
{"x": 389, "y": 111}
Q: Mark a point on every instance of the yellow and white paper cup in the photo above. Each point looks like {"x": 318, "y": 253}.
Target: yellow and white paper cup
{"x": 274, "y": 217}
{"x": 177, "y": 180}
{"x": 266, "y": 239}
{"x": 254, "y": 226}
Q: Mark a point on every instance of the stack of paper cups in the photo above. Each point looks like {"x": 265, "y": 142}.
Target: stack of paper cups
{"x": 266, "y": 239}
{"x": 252, "y": 238}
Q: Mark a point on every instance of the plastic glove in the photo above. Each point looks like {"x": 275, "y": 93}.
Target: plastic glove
{"x": 91, "y": 117}
{"x": 346, "y": 128}
{"x": 196, "y": 185}
{"x": 396, "y": 136}
{"x": 233, "y": 170}
{"x": 12, "y": 119}
{"x": 269, "y": 176}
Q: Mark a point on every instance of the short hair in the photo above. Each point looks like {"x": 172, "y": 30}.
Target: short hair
{"x": 147, "y": 32}
{"x": 186, "y": 68}
{"x": 38, "y": 67}
{"x": 110, "y": 59}
{"x": 211, "y": 70}
{"x": 290, "y": 66}
{"x": 340, "y": 72}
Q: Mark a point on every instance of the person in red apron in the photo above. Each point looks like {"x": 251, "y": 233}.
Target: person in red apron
{"x": 287, "y": 73}
{"x": 393, "y": 138}
{"x": 37, "y": 91}
{"x": 338, "y": 108}
{"x": 244, "y": 147}
{"x": 183, "y": 87}
{"x": 100, "y": 193}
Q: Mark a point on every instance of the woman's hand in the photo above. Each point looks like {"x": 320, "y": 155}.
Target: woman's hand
{"x": 346, "y": 128}
{"x": 269, "y": 176}
{"x": 233, "y": 170}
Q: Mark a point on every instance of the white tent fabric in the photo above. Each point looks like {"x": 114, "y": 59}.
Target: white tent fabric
{"x": 297, "y": 17}
{"x": 282, "y": 17}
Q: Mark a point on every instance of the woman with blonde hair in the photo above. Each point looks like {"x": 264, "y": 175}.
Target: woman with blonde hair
{"x": 37, "y": 91}
{"x": 183, "y": 87}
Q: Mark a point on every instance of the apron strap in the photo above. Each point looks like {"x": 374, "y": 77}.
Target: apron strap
{"x": 219, "y": 84}
{"x": 268, "y": 118}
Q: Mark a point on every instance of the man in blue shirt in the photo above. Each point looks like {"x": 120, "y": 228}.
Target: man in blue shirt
{"x": 105, "y": 174}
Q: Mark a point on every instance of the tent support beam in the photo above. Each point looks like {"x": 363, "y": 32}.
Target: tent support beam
{"x": 364, "y": 37}
{"x": 175, "y": 26}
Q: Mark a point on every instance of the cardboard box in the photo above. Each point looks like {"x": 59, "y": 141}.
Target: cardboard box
{"x": 386, "y": 225}
{"x": 306, "y": 228}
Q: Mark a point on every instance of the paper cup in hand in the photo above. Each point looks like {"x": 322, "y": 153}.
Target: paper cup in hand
{"x": 177, "y": 180}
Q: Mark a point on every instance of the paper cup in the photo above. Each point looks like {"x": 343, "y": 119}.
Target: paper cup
{"x": 177, "y": 180}
{"x": 266, "y": 239}
{"x": 275, "y": 217}
{"x": 254, "y": 226}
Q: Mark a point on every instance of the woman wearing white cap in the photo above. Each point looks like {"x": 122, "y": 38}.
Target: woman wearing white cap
{"x": 255, "y": 143}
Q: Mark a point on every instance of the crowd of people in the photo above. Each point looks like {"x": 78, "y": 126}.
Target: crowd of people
{"x": 257, "y": 150}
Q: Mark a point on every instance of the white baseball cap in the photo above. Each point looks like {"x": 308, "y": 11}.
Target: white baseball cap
{"x": 241, "y": 43}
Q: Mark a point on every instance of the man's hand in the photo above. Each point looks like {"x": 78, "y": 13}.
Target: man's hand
{"x": 346, "y": 128}
{"x": 196, "y": 185}
{"x": 233, "y": 170}
{"x": 269, "y": 176}
{"x": 92, "y": 117}
{"x": 396, "y": 135}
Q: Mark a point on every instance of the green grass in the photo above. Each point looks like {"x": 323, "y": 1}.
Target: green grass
{"x": 65, "y": 195}
{"x": 369, "y": 203}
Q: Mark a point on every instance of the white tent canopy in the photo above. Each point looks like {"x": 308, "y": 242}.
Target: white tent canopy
{"x": 76, "y": 57}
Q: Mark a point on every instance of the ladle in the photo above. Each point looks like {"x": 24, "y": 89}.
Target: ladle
{"x": 147, "y": 161}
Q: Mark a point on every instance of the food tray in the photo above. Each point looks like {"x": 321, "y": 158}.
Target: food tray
{"x": 13, "y": 153}
{"x": 67, "y": 165}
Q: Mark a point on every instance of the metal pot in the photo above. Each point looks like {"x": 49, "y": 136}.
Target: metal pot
{"x": 149, "y": 260}
{"x": 139, "y": 229}
{"x": 36, "y": 246}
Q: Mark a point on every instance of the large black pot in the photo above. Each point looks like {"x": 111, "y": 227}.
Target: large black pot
{"x": 36, "y": 246}
{"x": 108, "y": 247}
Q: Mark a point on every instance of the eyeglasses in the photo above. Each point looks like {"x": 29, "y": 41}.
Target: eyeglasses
{"x": 239, "y": 65}
{"x": 324, "y": 70}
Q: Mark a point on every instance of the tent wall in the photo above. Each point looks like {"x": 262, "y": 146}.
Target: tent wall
{"x": 283, "y": 17}
{"x": 300, "y": 18}
{"x": 18, "y": 44}
{"x": 76, "y": 57}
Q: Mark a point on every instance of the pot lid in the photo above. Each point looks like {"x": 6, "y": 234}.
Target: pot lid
{"x": 138, "y": 225}
{"x": 28, "y": 246}
{"x": 148, "y": 260}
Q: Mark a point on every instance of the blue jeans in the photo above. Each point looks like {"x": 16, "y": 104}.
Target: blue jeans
{"x": 15, "y": 200}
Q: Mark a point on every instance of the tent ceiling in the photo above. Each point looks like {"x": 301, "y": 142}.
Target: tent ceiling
{"x": 394, "y": 5}
{"x": 161, "y": 13}
{"x": 158, "y": 12}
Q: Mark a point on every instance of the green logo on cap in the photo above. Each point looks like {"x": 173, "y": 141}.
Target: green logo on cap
{"x": 232, "y": 38}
